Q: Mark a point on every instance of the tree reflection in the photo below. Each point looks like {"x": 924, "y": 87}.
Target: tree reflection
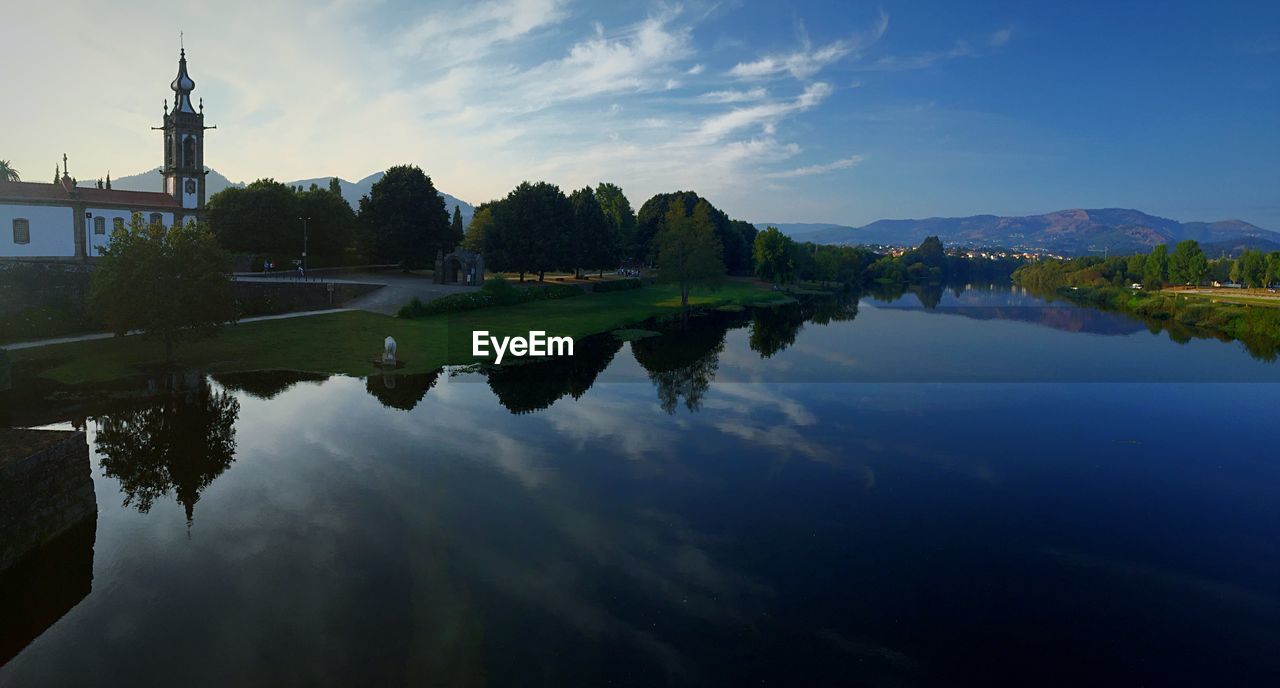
{"x": 179, "y": 443}
{"x": 402, "y": 392}
{"x": 265, "y": 384}
{"x": 533, "y": 386}
{"x": 774, "y": 329}
{"x": 683, "y": 364}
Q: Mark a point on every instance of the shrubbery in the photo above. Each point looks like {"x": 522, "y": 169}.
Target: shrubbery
{"x": 495, "y": 292}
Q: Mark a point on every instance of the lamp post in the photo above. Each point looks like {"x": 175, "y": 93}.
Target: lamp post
{"x": 304, "y": 243}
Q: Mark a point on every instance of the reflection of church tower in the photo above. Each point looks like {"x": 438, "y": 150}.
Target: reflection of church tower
{"x": 184, "y": 146}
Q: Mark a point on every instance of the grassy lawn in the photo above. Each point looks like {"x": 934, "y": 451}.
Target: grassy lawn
{"x": 348, "y": 342}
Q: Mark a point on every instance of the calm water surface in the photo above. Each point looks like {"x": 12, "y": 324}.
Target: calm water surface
{"x": 955, "y": 488}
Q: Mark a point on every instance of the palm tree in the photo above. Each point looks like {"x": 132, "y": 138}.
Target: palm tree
{"x": 7, "y": 173}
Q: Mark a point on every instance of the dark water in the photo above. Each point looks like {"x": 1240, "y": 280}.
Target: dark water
{"x": 987, "y": 490}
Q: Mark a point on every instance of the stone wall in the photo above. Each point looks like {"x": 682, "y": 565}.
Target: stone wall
{"x": 25, "y": 285}
{"x": 45, "y": 488}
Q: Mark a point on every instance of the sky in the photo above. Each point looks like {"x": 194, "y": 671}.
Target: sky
{"x": 808, "y": 111}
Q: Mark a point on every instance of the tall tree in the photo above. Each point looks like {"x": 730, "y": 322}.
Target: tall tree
{"x": 592, "y": 241}
{"x": 172, "y": 284}
{"x": 480, "y": 223}
{"x": 1273, "y": 268}
{"x": 735, "y": 246}
{"x": 530, "y": 231}
{"x": 1156, "y": 268}
{"x": 1187, "y": 263}
{"x": 689, "y": 253}
{"x": 331, "y": 224}
{"x": 403, "y": 219}
{"x": 260, "y": 218}
{"x": 616, "y": 206}
{"x": 455, "y": 227}
{"x": 774, "y": 259}
{"x": 7, "y": 173}
{"x": 1253, "y": 268}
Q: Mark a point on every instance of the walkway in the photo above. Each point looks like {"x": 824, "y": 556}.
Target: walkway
{"x": 397, "y": 289}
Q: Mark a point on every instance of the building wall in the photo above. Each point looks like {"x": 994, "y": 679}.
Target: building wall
{"x": 97, "y": 242}
{"x": 52, "y": 231}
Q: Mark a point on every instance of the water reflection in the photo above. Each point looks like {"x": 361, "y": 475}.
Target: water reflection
{"x": 682, "y": 361}
{"x": 177, "y": 442}
{"x": 265, "y": 384}
{"x": 44, "y": 586}
{"x": 402, "y": 392}
{"x": 532, "y": 386}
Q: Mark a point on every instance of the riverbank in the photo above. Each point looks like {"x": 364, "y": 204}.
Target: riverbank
{"x": 1184, "y": 315}
{"x": 345, "y": 343}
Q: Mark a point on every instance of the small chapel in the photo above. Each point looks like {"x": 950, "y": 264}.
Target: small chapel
{"x": 65, "y": 222}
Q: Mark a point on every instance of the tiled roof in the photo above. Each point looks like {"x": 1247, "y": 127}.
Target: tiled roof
{"x": 35, "y": 191}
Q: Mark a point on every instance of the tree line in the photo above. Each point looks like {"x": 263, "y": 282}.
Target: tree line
{"x": 784, "y": 261}
{"x": 402, "y": 220}
{"x": 1186, "y": 265}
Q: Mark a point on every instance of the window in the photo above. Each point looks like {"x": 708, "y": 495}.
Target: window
{"x": 100, "y": 225}
{"x": 21, "y": 231}
{"x": 157, "y": 219}
{"x": 117, "y": 224}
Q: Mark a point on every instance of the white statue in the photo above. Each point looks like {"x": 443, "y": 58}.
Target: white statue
{"x": 389, "y": 352}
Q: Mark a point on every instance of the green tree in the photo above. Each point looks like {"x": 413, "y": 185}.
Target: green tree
{"x": 259, "y": 218}
{"x": 689, "y": 252}
{"x": 7, "y": 173}
{"x": 650, "y": 220}
{"x": 455, "y": 227}
{"x": 1156, "y": 268}
{"x": 403, "y": 219}
{"x": 1273, "y": 268}
{"x": 331, "y": 225}
{"x": 773, "y": 256}
{"x": 1187, "y": 263}
{"x": 335, "y": 186}
{"x": 616, "y": 206}
{"x": 530, "y": 230}
{"x": 481, "y": 221}
{"x": 172, "y": 284}
{"x": 592, "y": 240}
{"x": 1253, "y": 268}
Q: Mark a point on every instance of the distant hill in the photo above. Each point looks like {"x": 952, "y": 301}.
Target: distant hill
{"x": 1073, "y": 232}
{"x": 215, "y": 182}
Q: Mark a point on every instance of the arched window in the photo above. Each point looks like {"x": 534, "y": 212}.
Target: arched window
{"x": 189, "y": 151}
{"x": 100, "y": 225}
{"x": 21, "y": 230}
{"x": 168, "y": 150}
{"x": 117, "y": 224}
{"x": 157, "y": 219}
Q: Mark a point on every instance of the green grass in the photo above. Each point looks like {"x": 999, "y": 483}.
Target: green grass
{"x": 1270, "y": 302}
{"x": 346, "y": 343}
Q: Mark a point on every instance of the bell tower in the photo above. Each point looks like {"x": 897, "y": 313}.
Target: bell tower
{"x": 184, "y": 129}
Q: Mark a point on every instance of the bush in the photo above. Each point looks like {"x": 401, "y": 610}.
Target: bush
{"x": 618, "y": 285}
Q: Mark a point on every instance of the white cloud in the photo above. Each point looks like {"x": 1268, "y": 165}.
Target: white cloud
{"x": 696, "y": 70}
{"x": 806, "y": 62}
{"x": 810, "y": 170}
{"x": 716, "y": 128}
{"x": 732, "y": 96}
{"x": 1001, "y": 37}
{"x": 468, "y": 32}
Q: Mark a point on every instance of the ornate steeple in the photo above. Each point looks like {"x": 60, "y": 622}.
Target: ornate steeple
{"x": 182, "y": 86}
{"x": 183, "y": 169}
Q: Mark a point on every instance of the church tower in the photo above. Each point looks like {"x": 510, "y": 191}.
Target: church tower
{"x": 184, "y": 146}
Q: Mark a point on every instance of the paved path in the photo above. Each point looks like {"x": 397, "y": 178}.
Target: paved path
{"x": 397, "y": 289}
{"x": 108, "y": 335}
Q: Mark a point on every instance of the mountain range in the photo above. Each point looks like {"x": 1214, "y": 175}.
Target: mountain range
{"x": 215, "y": 182}
{"x": 1071, "y": 232}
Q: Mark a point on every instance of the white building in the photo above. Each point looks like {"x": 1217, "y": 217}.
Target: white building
{"x": 64, "y": 222}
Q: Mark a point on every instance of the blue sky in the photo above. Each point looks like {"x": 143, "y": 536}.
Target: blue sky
{"x": 839, "y": 112}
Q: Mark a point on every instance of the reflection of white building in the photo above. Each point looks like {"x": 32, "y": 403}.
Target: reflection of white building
{"x": 64, "y": 221}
